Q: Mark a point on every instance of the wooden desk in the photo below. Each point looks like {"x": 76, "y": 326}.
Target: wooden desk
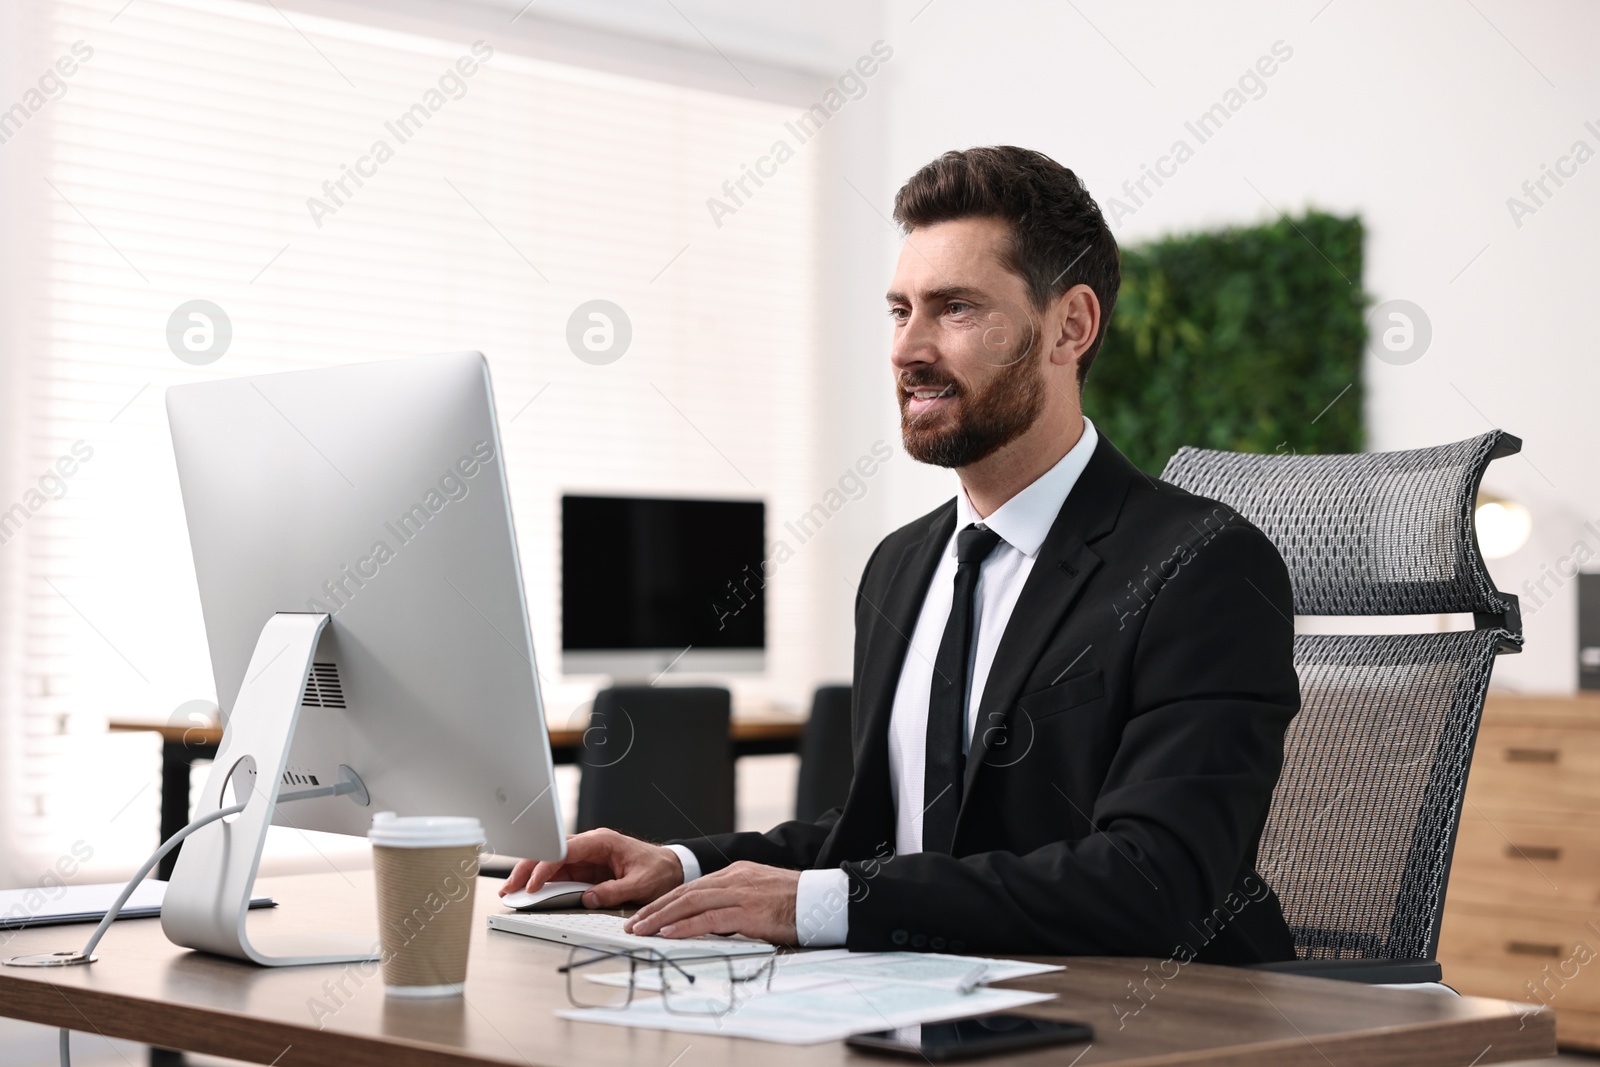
{"x": 146, "y": 989}
{"x": 765, "y": 734}
{"x": 752, "y": 736}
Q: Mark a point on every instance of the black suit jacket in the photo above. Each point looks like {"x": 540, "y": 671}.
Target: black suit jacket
{"x": 1127, "y": 743}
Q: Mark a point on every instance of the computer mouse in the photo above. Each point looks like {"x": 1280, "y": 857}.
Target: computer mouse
{"x": 552, "y": 896}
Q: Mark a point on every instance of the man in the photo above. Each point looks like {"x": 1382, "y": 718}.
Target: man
{"x": 1071, "y": 682}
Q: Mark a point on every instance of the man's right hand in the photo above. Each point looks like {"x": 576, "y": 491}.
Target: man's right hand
{"x": 623, "y": 869}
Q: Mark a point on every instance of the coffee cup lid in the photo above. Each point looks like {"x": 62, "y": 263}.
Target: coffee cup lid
{"x": 424, "y": 831}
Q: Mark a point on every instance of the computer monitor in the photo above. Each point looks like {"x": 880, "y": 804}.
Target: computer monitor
{"x": 363, "y": 602}
{"x": 649, "y": 583}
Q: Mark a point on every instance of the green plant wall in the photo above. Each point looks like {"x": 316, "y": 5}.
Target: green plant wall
{"x": 1247, "y": 339}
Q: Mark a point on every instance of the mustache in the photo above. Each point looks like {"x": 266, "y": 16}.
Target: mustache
{"x": 928, "y": 379}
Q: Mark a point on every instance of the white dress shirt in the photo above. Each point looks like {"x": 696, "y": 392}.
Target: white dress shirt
{"x": 821, "y": 903}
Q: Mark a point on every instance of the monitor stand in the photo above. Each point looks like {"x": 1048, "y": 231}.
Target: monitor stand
{"x": 208, "y": 897}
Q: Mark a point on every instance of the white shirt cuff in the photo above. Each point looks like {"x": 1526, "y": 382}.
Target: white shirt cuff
{"x": 822, "y": 909}
{"x": 691, "y": 862}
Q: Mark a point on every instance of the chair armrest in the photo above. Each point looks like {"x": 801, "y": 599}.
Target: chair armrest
{"x": 1370, "y": 972}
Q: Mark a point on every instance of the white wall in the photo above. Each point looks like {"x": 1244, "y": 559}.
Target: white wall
{"x": 789, "y": 52}
{"x": 795, "y": 50}
{"x": 1423, "y": 118}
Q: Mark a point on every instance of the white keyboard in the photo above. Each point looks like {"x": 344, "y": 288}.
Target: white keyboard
{"x": 605, "y": 931}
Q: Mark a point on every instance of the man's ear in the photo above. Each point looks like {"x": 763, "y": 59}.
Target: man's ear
{"x": 1078, "y": 312}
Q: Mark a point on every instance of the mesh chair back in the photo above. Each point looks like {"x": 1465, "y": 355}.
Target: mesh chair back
{"x": 657, "y": 763}
{"x": 1363, "y": 821}
{"x": 1379, "y": 533}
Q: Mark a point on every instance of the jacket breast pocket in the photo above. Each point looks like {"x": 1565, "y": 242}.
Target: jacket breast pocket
{"x": 1063, "y": 696}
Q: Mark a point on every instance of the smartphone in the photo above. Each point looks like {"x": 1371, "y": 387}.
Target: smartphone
{"x": 969, "y": 1038}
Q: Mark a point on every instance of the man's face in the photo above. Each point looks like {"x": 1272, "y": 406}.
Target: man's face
{"x": 965, "y": 351}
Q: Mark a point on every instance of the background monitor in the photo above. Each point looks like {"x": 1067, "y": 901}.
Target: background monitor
{"x": 376, "y": 493}
{"x": 648, "y": 582}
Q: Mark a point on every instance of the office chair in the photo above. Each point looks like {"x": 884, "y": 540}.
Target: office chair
{"x": 657, "y": 763}
{"x": 1363, "y": 821}
{"x": 827, "y": 759}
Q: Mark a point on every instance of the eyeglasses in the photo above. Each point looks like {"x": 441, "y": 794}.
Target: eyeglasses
{"x": 689, "y": 985}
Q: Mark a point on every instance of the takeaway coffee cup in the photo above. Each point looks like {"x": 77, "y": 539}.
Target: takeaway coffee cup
{"x": 427, "y": 870}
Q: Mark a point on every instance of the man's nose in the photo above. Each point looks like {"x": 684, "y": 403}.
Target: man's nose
{"x": 913, "y": 344}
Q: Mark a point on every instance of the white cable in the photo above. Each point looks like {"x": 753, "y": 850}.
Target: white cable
{"x": 149, "y": 865}
{"x": 170, "y": 843}
{"x": 167, "y": 846}
{"x": 127, "y": 891}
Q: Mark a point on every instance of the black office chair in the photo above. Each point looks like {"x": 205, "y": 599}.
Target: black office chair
{"x": 657, "y": 763}
{"x": 827, "y": 759}
{"x": 1363, "y": 821}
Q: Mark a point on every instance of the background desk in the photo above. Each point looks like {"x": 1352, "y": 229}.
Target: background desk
{"x": 763, "y": 733}
{"x": 146, "y": 989}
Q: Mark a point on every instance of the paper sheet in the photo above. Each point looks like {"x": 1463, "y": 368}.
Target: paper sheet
{"x": 828, "y": 1012}
{"x": 829, "y": 995}
{"x": 921, "y": 968}
{"x": 805, "y": 970}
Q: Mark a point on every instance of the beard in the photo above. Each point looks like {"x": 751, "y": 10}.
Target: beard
{"x": 978, "y": 423}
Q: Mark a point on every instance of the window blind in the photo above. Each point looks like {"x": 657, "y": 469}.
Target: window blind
{"x": 228, "y": 151}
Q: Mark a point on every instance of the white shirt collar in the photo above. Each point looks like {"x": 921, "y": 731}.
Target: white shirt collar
{"x": 1024, "y": 520}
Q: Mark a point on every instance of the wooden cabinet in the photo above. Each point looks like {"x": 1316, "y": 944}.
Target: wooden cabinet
{"x": 1522, "y": 915}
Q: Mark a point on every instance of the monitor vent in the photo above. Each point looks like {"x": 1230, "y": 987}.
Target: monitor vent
{"x": 322, "y": 687}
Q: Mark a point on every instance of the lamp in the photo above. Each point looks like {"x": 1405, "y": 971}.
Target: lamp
{"x": 1503, "y": 525}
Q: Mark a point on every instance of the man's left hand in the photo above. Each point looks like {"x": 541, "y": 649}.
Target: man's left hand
{"x": 743, "y": 898}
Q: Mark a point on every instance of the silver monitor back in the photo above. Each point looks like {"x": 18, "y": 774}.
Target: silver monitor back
{"x": 376, "y": 493}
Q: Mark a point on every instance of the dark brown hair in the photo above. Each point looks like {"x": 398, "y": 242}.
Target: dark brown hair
{"x": 1058, "y": 236}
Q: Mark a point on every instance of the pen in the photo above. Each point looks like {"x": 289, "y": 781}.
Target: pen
{"x": 970, "y": 982}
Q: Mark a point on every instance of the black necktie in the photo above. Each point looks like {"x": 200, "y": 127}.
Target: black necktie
{"x": 947, "y": 700}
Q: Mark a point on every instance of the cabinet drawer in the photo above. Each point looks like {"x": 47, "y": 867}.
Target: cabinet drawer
{"x": 1536, "y": 958}
{"x": 1536, "y": 768}
{"x": 1513, "y": 861}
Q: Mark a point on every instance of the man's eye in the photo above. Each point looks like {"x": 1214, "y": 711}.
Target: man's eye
{"x": 897, "y": 314}
{"x": 956, "y": 307}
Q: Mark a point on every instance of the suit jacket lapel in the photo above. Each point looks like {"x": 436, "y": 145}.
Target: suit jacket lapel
{"x": 1060, "y": 572}
{"x": 870, "y": 811}
{"x": 895, "y": 618}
